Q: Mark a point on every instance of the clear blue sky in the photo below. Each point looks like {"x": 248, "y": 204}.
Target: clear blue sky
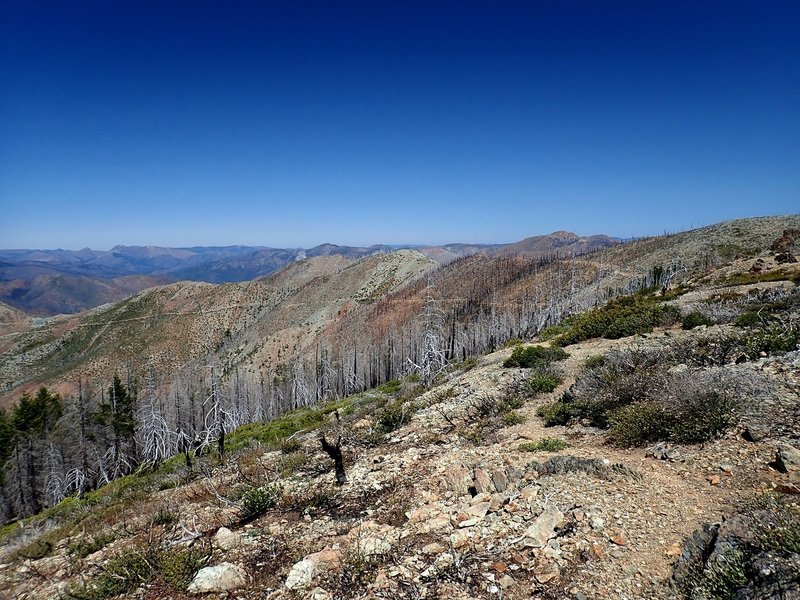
{"x": 294, "y": 123}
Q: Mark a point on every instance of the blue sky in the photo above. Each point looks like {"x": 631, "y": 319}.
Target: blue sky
{"x": 295, "y": 123}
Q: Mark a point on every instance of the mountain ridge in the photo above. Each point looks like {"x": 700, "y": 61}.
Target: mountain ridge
{"x": 100, "y": 272}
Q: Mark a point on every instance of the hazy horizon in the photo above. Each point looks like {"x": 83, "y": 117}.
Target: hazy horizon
{"x": 367, "y": 245}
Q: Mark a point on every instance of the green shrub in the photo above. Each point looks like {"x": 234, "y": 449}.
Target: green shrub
{"x": 38, "y": 548}
{"x": 513, "y": 418}
{"x": 395, "y": 415}
{"x": 533, "y": 356}
{"x": 699, "y": 415}
{"x": 391, "y": 387}
{"x": 513, "y": 402}
{"x": 177, "y": 566}
{"x": 552, "y": 332}
{"x": 639, "y": 400}
{"x": 555, "y": 413}
{"x": 291, "y": 463}
{"x": 512, "y": 342}
{"x": 287, "y": 445}
{"x": 729, "y": 565}
{"x": 544, "y": 445}
{"x": 771, "y": 339}
{"x": 258, "y": 500}
{"x": 89, "y": 545}
{"x": 542, "y": 382}
{"x": 783, "y": 519}
{"x": 465, "y": 365}
{"x": 748, "y": 319}
{"x": 595, "y": 361}
{"x": 303, "y": 419}
{"x": 164, "y": 517}
{"x": 695, "y": 319}
{"x": 748, "y": 278}
{"x": 638, "y": 424}
{"x": 620, "y": 317}
{"x": 122, "y": 574}
{"x": 723, "y": 576}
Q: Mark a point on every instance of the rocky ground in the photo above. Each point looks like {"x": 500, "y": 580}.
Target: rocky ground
{"x": 445, "y": 506}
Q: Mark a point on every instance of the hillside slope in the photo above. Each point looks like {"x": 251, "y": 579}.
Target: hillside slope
{"x": 169, "y": 327}
{"x": 451, "y": 502}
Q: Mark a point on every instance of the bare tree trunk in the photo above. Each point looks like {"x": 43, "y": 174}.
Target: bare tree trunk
{"x": 335, "y": 452}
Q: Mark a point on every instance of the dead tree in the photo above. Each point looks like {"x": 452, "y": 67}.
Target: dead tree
{"x": 335, "y": 451}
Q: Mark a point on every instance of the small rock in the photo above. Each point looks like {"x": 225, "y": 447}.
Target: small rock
{"x": 787, "y": 459}
{"x": 478, "y": 510}
{"x": 543, "y": 528}
{"x": 50, "y": 566}
{"x": 482, "y": 497}
{"x": 497, "y": 502}
{"x": 500, "y": 566}
{"x": 226, "y": 539}
{"x": 506, "y": 581}
{"x": 597, "y": 523}
{"x": 673, "y": 550}
{"x": 500, "y": 480}
{"x": 433, "y": 548}
{"x": 304, "y": 571}
{"x": 457, "y": 479}
{"x": 547, "y": 572}
{"x": 618, "y": 539}
{"x": 713, "y": 479}
{"x": 752, "y": 433}
{"x": 663, "y": 452}
{"x": 597, "y": 551}
{"x": 220, "y": 578}
{"x": 483, "y": 483}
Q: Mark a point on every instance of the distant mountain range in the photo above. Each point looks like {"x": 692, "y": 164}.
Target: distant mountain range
{"x": 50, "y": 282}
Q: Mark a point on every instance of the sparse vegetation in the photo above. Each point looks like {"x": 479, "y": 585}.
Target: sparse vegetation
{"x": 695, "y": 319}
{"x": 395, "y": 415}
{"x": 555, "y": 413}
{"x": 274, "y": 433}
{"x": 87, "y": 545}
{"x": 512, "y": 417}
{"x": 750, "y": 278}
{"x": 542, "y": 380}
{"x": 754, "y": 554}
{"x": 635, "y": 396}
{"x": 175, "y": 567}
{"x": 534, "y": 356}
{"x": 620, "y": 317}
{"x": 257, "y": 500}
{"x": 545, "y": 444}
{"x": 594, "y": 361}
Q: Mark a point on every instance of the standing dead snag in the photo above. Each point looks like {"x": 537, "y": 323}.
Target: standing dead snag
{"x": 335, "y": 452}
